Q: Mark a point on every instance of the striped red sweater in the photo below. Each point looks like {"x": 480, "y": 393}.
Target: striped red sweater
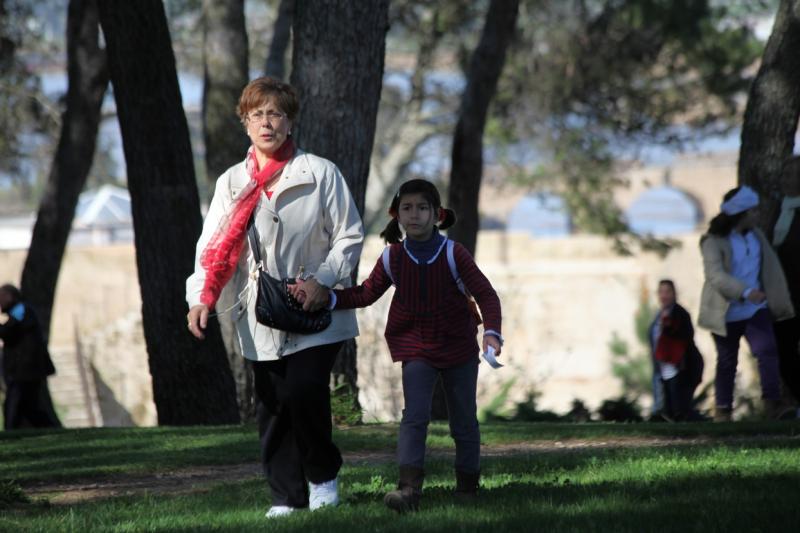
{"x": 429, "y": 317}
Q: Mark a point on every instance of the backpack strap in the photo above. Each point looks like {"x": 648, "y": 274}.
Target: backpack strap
{"x": 387, "y": 267}
{"x": 451, "y": 261}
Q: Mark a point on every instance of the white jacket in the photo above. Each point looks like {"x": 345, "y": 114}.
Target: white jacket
{"x": 311, "y": 223}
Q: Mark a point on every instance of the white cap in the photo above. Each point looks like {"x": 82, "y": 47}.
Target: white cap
{"x": 744, "y": 199}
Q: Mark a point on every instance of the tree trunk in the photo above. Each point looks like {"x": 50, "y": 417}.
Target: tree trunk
{"x": 192, "y": 381}
{"x": 87, "y": 79}
{"x": 773, "y": 108}
{"x": 484, "y": 71}
{"x": 337, "y": 68}
{"x": 389, "y": 166}
{"x": 400, "y": 137}
{"x": 281, "y": 34}
{"x": 467, "y": 166}
{"x": 225, "y": 73}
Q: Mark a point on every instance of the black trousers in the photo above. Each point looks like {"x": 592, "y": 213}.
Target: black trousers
{"x": 679, "y": 389}
{"x": 677, "y": 396}
{"x": 28, "y": 404}
{"x": 787, "y": 336}
{"x": 294, "y": 422}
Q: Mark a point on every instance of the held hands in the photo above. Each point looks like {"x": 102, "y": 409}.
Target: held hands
{"x": 197, "y": 320}
{"x": 494, "y": 342}
{"x": 310, "y": 293}
{"x": 296, "y": 290}
{"x": 756, "y": 296}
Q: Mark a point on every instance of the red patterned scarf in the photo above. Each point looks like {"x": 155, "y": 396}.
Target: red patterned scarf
{"x": 222, "y": 252}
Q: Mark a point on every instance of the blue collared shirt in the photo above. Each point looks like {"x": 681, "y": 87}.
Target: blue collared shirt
{"x": 746, "y": 267}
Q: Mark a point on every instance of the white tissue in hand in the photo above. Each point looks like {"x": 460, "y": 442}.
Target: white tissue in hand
{"x": 490, "y": 358}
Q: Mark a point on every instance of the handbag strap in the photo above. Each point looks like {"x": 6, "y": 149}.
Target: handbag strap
{"x": 252, "y": 236}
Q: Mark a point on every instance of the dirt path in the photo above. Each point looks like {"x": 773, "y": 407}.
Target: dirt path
{"x": 203, "y": 478}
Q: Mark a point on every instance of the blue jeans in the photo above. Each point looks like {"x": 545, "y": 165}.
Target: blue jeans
{"x": 460, "y": 382}
{"x": 658, "y": 390}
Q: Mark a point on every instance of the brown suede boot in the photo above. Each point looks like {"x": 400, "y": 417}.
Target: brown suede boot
{"x": 467, "y": 485}
{"x": 409, "y": 490}
{"x": 723, "y": 414}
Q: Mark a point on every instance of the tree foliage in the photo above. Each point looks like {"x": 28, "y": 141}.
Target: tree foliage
{"x": 27, "y": 116}
{"x": 593, "y": 82}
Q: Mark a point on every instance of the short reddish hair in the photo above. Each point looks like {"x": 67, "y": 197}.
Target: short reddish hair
{"x": 259, "y": 91}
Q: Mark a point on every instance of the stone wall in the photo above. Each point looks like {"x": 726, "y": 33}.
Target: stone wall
{"x": 96, "y": 339}
{"x": 562, "y": 301}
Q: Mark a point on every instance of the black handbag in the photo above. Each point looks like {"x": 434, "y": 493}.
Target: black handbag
{"x": 276, "y": 308}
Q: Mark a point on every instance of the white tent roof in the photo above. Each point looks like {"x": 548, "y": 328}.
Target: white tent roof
{"x": 106, "y": 206}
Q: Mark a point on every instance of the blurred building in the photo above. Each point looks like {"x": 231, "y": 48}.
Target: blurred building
{"x": 663, "y": 211}
{"x": 102, "y": 217}
{"x": 541, "y": 215}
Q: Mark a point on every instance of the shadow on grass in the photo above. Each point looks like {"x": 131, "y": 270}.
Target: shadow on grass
{"x": 706, "y": 501}
{"x": 58, "y": 455}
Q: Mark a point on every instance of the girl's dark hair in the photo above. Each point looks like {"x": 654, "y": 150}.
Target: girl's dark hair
{"x": 13, "y": 291}
{"x": 669, "y": 283}
{"x": 392, "y": 233}
{"x": 722, "y": 224}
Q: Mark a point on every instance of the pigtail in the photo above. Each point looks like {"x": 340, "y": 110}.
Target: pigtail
{"x": 391, "y": 233}
{"x": 448, "y": 219}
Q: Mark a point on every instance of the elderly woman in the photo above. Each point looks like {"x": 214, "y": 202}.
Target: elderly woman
{"x": 308, "y": 225}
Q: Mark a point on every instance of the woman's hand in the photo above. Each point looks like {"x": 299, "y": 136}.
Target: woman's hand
{"x": 317, "y": 296}
{"x": 197, "y": 320}
{"x": 494, "y": 342}
{"x": 296, "y": 290}
{"x": 756, "y": 296}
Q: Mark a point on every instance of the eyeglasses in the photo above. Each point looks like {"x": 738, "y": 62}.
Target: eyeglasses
{"x": 260, "y": 117}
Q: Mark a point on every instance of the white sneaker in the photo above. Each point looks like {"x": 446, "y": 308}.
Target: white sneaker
{"x": 279, "y": 510}
{"x": 322, "y": 494}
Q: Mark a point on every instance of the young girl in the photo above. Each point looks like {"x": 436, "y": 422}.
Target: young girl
{"x": 431, "y": 330}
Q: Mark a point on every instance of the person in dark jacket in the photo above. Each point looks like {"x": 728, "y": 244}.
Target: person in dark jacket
{"x": 786, "y": 240}
{"x": 26, "y": 365}
{"x": 677, "y": 358}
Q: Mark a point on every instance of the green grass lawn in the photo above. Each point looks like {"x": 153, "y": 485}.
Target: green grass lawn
{"x": 735, "y": 477}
